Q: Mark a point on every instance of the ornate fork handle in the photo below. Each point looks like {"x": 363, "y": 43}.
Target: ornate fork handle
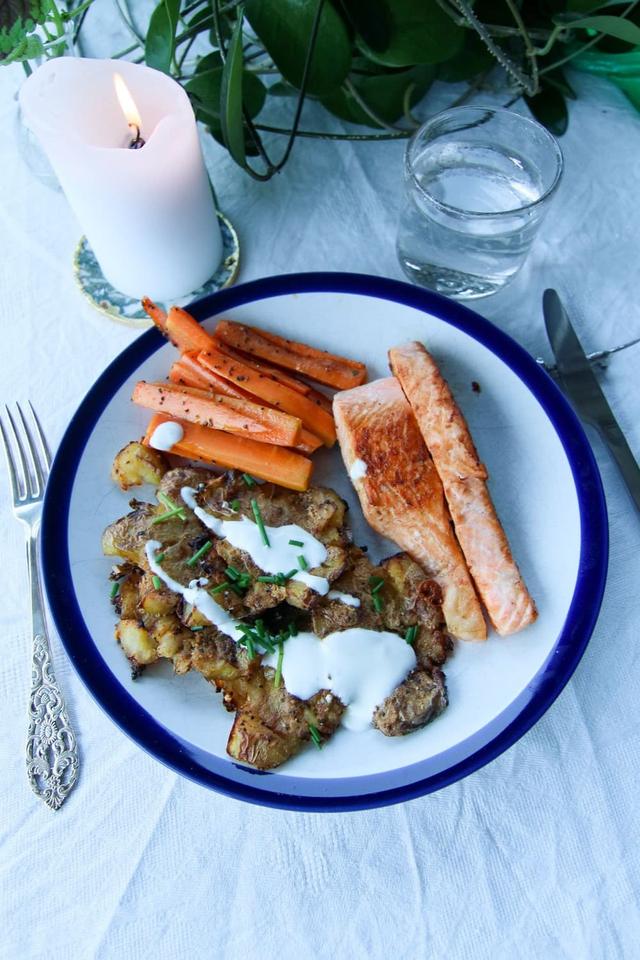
{"x": 52, "y": 750}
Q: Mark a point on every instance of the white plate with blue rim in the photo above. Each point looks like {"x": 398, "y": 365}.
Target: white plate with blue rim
{"x": 547, "y": 491}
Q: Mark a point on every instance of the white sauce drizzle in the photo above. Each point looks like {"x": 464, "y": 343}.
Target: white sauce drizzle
{"x": 193, "y": 594}
{"x": 358, "y": 470}
{"x": 280, "y": 556}
{"x": 166, "y": 435}
{"x": 347, "y": 598}
{"x": 361, "y": 667}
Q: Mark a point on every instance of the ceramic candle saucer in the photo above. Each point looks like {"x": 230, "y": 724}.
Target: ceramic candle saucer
{"x": 124, "y": 309}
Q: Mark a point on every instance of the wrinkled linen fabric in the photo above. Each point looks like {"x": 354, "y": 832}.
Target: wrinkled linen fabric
{"x": 534, "y": 856}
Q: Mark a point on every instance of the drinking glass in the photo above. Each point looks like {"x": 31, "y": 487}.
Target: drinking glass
{"x": 478, "y": 182}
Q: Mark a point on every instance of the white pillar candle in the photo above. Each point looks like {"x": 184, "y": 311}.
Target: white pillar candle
{"x": 147, "y": 213}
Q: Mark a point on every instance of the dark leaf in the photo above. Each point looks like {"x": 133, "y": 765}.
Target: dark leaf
{"x": 371, "y": 19}
{"x": 421, "y": 32}
{"x": 284, "y": 27}
{"x": 161, "y": 35}
{"x": 472, "y": 58}
{"x": 384, "y": 94}
{"x": 550, "y": 109}
{"x": 231, "y": 118}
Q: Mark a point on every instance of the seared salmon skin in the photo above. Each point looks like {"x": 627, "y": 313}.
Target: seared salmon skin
{"x": 464, "y": 478}
{"x": 401, "y": 493}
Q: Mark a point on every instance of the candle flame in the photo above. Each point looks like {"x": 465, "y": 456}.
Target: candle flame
{"x": 126, "y": 101}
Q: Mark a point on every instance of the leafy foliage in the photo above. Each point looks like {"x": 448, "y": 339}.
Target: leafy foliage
{"x": 368, "y": 62}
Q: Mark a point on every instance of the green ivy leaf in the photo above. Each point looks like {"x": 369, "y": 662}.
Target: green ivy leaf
{"x": 284, "y": 27}
{"x": 371, "y": 19}
{"x": 549, "y": 107}
{"x": 161, "y": 35}
{"x": 612, "y": 26}
{"x": 384, "y": 93}
{"x": 231, "y": 118}
{"x": 421, "y": 32}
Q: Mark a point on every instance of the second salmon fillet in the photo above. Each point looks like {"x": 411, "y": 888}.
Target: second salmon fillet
{"x": 401, "y": 494}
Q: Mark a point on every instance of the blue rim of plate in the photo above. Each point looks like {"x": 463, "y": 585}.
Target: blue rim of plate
{"x": 377, "y": 789}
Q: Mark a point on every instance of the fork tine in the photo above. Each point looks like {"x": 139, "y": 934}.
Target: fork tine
{"x": 33, "y": 457}
{"x": 44, "y": 449}
{"x": 15, "y": 488}
{"x": 21, "y": 482}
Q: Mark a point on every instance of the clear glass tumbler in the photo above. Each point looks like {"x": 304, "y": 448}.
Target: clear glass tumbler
{"x": 478, "y": 181}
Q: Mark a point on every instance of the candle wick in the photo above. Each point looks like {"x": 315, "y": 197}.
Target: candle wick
{"x": 137, "y": 140}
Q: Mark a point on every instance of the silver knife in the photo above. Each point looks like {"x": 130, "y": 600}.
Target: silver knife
{"x": 579, "y": 382}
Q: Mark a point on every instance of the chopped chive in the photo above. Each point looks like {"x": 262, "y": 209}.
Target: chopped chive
{"x": 221, "y": 586}
{"x": 195, "y": 629}
{"x": 296, "y": 543}
{"x": 250, "y": 482}
{"x": 235, "y": 505}
{"x": 258, "y": 518}
{"x": 410, "y": 635}
{"x": 232, "y": 573}
{"x": 378, "y": 602}
{"x": 157, "y": 582}
{"x": 278, "y": 676}
{"x": 160, "y": 557}
{"x": 315, "y": 735}
{"x": 115, "y": 590}
{"x": 199, "y": 553}
{"x": 303, "y": 563}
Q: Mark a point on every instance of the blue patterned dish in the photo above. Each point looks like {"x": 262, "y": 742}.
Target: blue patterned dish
{"x": 545, "y": 484}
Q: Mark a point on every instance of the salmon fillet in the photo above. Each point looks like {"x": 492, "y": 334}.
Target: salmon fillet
{"x": 401, "y": 494}
{"x": 478, "y": 529}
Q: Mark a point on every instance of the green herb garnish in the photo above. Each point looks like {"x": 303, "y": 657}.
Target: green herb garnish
{"x": 278, "y": 676}
{"x": 115, "y": 590}
{"x": 410, "y": 635}
{"x": 191, "y": 562}
{"x": 259, "y": 521}
{"x": 157, "y": 582}
{"x": 250, "y": 482}
{"x": 303, "y": 563}
{"x": 315, "y": 735}
{"x": 296, "y": 543}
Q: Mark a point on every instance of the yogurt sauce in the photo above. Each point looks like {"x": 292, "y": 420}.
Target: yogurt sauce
{"x": 166, "y": 435}
{"x": 360, "y": 666}
{"x": 358, "y": 470}
{"x": 280, "y": 557}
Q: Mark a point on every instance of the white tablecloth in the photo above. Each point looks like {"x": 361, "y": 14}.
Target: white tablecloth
{"x": 536, "y": 855}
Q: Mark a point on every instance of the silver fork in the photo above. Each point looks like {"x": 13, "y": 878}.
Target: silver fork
{"x": 52, "y": 750}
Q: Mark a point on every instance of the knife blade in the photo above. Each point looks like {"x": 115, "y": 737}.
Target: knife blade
{"x": 580, "y": 383}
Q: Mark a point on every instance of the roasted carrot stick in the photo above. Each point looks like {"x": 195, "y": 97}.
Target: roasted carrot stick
{"x": 265, "y": 368}
{"x": 185, "y": 332}
{"x": 188, "y": 371}
{"x": 316, "y": 364}
{"x": 263, "y": 460}
{"x": 242, "y": 417}
{"x": 313, "y": 417}
{"x": 183, "y": 375}
{"x": 156, "y": 313}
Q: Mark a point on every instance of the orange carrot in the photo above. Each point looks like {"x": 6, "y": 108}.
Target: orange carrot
{"x": 185, "y": 332}
{"x": 263, "y": 460}
{"x": 265, "y": 368}
{"x": 316, "y": 364}
{"x": 242, "y": 417}
{"x": 183, "y": 375}
{"x": 313, "y": 417}
{"x": 189, "y": 372}
{"x": 156, "y": 313}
